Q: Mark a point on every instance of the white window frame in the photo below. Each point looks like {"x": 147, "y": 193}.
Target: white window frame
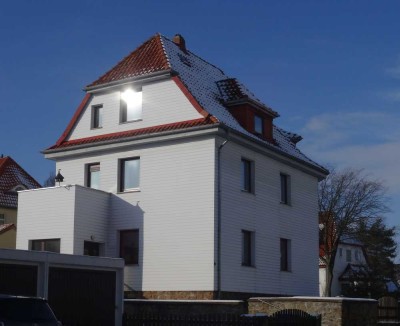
{"x": 131, "y": 102}
{"x": 248, "y": 249}
{"x": 122, "y": 172}
{"x": 247, "y": 178}
{"x": 285, "y": 186}
{"x": 97, "y": 116}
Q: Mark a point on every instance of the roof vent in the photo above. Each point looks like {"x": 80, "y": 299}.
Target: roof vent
{"x": 180, "y": 41}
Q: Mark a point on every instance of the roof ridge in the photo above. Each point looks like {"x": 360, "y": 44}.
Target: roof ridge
{"x": 103, "y": 78}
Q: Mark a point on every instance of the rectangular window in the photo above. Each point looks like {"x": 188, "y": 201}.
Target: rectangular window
{"x": 93, "y": 175}
{"x": 91, "y": 248}
{"x": 348, "y": 255}
{"x": 2, "y": 219}
{"x": 285, "y": 189}
{"x": 52, "y": 245}
{"x": 97, "y": 116}
{"x": 129, "y": 246}
{"x": 247, "y": 175}
{"x": 258, "y": 124}
{"x": 248, "y": 248}
{"x": 129, "y": 174}
{"x": 131, "y": 105}
{"x": 285, "y": 254}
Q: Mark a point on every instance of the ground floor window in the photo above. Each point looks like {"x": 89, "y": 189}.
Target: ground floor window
{"x": 91, "y": 248}
{"x": 52, "y": 245}
{"x": 129, "y": 246}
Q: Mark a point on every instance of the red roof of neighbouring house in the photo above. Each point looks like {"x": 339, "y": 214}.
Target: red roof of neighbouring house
{"x": 11, "y": 176}
{"x": 206, "y": 86}
{"x": 6, "y": 227}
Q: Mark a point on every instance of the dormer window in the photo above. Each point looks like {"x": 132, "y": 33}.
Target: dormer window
{"x": 258, "y": 124}
{"x": 131, "y": 105}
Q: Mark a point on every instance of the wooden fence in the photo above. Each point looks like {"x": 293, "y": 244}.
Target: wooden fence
{"x": 290, "y": 317}
{"x": 388, "y": 310}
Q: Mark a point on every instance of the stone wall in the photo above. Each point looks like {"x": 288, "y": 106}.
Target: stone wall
{"x": 334, "y": 311}
{"x": 184, "y": 307}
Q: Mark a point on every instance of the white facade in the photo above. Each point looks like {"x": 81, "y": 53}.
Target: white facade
{"x": 347, "y": 253}
{"x": 187, "y": 241}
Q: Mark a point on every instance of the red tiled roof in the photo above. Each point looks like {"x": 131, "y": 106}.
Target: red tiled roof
{"x": 147, "y": 58}
{"x": 137, "y": 132}
{"x": 6, "y": 227}
{"x": 12, "y": 175}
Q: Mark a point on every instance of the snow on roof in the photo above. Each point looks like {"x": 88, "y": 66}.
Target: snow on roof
{"x": 206, "y": 83}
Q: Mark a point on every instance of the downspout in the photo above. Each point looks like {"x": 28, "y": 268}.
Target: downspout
{"x": 219, "y": 221}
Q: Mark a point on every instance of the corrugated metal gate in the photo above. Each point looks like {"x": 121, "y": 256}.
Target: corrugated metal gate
{"x": 74, "y": 296}
{"x": 18, "y": 279}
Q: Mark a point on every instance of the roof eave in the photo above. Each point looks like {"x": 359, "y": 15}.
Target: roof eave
{"x": 130, "y": 138}
{"x": 154, "y": 76}
{"x": 321, "y": 172}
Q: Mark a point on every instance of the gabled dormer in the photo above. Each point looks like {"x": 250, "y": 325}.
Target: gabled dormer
{"x": 251, "y": 113}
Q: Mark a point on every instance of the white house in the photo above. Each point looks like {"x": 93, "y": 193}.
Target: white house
{"x": 350, "y": 268}
{"x": 178, "y": 168}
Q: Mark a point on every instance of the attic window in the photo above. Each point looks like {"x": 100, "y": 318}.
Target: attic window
{"x": 258, "y": 124}
{"x": 184, "y": 59}
{"x": 131, "y": 105}
{"x": 19, "y": 188}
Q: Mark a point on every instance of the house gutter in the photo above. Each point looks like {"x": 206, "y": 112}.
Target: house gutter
{"x": 219, "y": 220}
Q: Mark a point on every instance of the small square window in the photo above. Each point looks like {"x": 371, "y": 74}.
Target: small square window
{"x": 97, "y": 116}
{"x": 129, "y": 246}
{"x": 258, "y": 124}
{"x": 129, "y": 174}
{"x": 52, "y": 245}
{"x": 285, "y": 245}
{"x": 285, "y": 189}
{"x": 248, "y": 256}
{"x": 91, "y": 248}
{"x": 247, "y": 175}
{"x": 131, "y": 105}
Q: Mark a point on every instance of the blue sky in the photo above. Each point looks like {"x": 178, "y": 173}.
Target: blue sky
{"x": 330, "y": 68}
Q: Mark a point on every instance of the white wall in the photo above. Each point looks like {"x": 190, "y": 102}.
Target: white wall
{"x": 46, "y": 213}
{"x": 92, "y": 217}
{"x": 163, "y": 102}
{"x": 174, "y": 211}
{"x": 263, "y": 214}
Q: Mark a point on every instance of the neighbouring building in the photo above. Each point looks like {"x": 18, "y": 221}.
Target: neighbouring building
{"x": 350, "y": 270}
{"x": 12, "y": 179}
{"x": 179, "y": 169}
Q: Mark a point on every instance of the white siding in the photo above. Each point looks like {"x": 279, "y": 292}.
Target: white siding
{"x": 263, "y": 214}
{"x": 174, "y": 212}
{"x": 46, "y": 214}
{"x": 91, "y": 218}
{"x": 163, "y": 102}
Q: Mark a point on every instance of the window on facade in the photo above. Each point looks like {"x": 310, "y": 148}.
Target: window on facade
{"x": 52, "y": 245}
{"x": 93, "y": 175}
{"x": 248, "y": 256}
{"x": 2, "y": 219}
{"x": 91, "y": 248}
{"x": 258, "y": 124}
{"x": 97, "y": 116}
{"x": 247, "y": 175}
{"x": 131, "y": 105}
{"x": 129, "y": 246}
{"x": 285, "y": 245}
{"x": 129, "y": 174}
{"x": 348, "y": 255}
{"x": 285, "y": 189}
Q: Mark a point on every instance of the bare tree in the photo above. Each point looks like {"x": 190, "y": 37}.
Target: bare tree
{"x": 50, "y": 181}
{"x": 345, "y": 198}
